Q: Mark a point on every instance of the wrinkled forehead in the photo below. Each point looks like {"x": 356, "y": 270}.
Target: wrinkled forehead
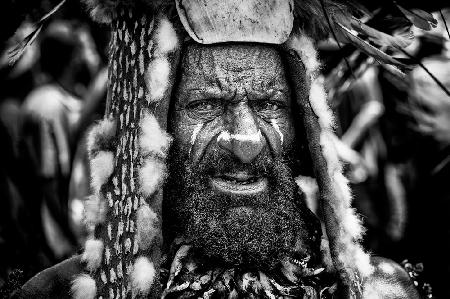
{"x": 255, "y": 64}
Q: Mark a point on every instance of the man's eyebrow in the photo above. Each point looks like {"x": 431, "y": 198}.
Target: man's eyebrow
{"x": 267, "y": 92}
{"x": 210, "y": 91}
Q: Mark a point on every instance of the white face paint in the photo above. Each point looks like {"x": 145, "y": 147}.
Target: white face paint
{"x": 277, "y": 128}
{"x": 197, "y": 129}
{"x": 226, "y": 136}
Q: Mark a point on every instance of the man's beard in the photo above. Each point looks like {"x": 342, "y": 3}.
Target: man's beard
{"x": 246, "y": 230}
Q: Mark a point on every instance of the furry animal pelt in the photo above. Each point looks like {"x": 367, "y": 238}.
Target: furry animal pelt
{"x": 103, "y": 11}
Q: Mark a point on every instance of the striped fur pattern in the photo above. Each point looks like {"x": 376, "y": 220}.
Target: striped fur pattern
{"x": 131, "y": 164}
{"x": 100, "y": 145}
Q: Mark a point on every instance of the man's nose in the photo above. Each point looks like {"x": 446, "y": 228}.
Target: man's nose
{"x": 243, "y": 137}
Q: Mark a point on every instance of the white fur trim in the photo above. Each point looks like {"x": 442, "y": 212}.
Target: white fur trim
{"x": 102, "y": 166}
{"x": 157, "y": 78}
{"x": 101, "y": 11}
{"x": 100, "y": 134}
{"x": 142, "y": 276}
{"x": 102, "y": 15}
{"x": 362, "y": 259}
{"x": 151, "y": 176}
{"x": 351, "y": 255}
{"x": 318, "y": 100}
{"x": 350, "y": 232}
{"x": 84, "y": 287}
{"x": 146, "y": 226}
{"x": 166, "y": 38}
{"x": 94, "y": 210}
{"x": 304, "y": 46}
{"x": 92, "y": 255}
{"x": 153, "y": 139}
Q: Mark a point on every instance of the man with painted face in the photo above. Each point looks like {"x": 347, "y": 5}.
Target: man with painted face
{"x": 213, "y": 112}
{"x": 231, "y": 185}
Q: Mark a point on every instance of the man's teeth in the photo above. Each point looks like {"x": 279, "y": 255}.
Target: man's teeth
{"x": 306, "y": 271}
{"x": 240, "y": 181}
{"x": 301, "y": 263}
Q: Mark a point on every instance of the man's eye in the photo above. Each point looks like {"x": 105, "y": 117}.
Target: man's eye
{"x": 203, "y": 105}
{"x": 271, "y": 106}
{"x": 204, "y": 108}
{"x": 268, "y": 106}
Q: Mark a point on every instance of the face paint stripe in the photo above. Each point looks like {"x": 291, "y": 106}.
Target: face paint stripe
{"x": 197, "y": 129}
{"x": 226, "y": 136}
{"x": 277, "y": 128}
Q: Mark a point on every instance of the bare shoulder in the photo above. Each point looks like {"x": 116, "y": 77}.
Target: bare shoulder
{"x": 389, "y": 281}
{"x": 54, "y": 282}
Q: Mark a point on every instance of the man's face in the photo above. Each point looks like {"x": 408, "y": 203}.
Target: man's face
{"x": 231, "y": 188}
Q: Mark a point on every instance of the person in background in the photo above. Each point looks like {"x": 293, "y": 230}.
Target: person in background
{"x": 429, "y": 172}
{"x": 54, "y": 114}
{"x": 15, "y": 83}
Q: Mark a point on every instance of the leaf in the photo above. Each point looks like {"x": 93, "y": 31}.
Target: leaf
{"x": 399, "y": 40}
{"x": 367, "y": 48}
{"x": 421, "y": 19}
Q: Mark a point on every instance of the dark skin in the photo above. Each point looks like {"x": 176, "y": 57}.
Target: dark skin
{"x": 240, "y": 90}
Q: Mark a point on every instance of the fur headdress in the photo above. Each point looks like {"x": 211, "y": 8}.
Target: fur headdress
{"x": 129, "y": 147}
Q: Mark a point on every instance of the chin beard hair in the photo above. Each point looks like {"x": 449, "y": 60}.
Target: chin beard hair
{"x": 270, "y": 226}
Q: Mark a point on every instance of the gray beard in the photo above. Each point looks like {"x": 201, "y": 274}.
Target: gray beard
{"x": 271, "y": 226}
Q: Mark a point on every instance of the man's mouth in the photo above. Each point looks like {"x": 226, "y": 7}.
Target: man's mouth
{"x": 239, "y": 183}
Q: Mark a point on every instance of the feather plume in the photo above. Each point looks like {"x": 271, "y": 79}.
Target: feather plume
{"x": 400, "y": 39}
{"x": 421, "y": 19}
{"x": 368, "y": 48}
{"x": 444, "y": 22}
{"x": 311, "y": 19}
{"x": 17, "y": 50}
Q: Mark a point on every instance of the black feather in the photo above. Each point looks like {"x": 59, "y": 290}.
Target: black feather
{"x": 397, "y": 40}
{"x": 310, "y": 16}
{"x": 445, "y": 22}
{"x": 368, "y": 48}
{"x": 421, "y": 19}
{"x": 16, "y": 51}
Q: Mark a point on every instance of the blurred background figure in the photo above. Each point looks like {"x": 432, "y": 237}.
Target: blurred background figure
{"x": 48, "y": 100}
{"x": 51, "y": 114}
{"x": 16, "y": 82}
{"x": 428, "y": 171}
{"x": 394, "y": 137}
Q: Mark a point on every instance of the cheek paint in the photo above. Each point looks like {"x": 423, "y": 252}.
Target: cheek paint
{"x": 197, "y": 129}
{"x": 277, "y": 128}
